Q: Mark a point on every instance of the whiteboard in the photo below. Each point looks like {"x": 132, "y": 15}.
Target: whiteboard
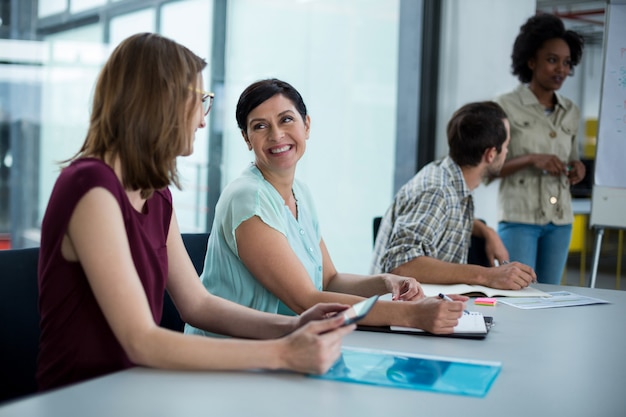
{"x": 608, "y": 206}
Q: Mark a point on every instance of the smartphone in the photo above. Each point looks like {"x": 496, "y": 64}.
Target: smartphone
{"x": 359, "y": 310}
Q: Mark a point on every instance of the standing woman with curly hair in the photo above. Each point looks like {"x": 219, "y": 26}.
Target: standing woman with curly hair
{"x": 534, "y": 201}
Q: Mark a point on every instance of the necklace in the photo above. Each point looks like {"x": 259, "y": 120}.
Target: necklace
{"x": 295, "y": 200}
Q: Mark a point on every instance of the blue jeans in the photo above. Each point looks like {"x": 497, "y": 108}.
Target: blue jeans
{"x": 544, "y": 248}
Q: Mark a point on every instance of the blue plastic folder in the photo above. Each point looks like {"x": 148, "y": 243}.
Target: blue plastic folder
{"x": 418, "y": 372}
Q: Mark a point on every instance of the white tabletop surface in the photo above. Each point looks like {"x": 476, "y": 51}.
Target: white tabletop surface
{"x": 555, "y": 362}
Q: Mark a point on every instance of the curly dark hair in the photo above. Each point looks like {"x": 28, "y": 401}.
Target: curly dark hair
{"x": 532, "y": 35}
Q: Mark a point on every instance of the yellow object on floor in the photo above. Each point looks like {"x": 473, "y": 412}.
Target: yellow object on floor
{"x": 579, "y": 231}
{"x": 578, "y": 243}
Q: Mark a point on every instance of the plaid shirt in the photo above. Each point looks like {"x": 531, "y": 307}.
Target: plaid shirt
{"x": 431, "y": 215}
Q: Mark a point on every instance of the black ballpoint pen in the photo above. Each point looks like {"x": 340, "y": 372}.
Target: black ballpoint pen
{"x": 445, "y": 297}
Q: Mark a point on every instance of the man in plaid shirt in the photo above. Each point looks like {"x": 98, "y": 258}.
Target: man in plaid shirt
{"x": 427, "y": 230}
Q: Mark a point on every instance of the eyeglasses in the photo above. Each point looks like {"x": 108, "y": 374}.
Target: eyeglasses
{"x": 207, "y": 100}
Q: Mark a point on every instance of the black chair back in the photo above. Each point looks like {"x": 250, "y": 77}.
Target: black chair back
{"x": 19, "y": 322}
{"x": 476, "y": 254}
{"x": 19, "y": 314}
{"x": 196, "y": 244}
{"x": 375, "y": 227}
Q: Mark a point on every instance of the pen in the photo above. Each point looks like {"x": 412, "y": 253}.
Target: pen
{"x": 445, "y": 297}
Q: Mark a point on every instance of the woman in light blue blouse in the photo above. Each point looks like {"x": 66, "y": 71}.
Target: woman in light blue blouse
{"x": 265, "y": 250}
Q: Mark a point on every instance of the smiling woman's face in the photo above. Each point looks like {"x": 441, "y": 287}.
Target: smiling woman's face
{"x": 277, "y": 134}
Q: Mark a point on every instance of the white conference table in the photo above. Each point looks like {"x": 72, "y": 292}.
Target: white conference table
{"x": 566, "y": 361}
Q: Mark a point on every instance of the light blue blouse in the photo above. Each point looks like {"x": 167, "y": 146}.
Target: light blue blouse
{"x": 224, "y": 273}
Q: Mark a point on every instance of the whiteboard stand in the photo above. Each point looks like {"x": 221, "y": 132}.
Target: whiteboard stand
{"x": 596, "y": 256}
{"x": 608, "y": 199}
{"x": 608, "y": 208}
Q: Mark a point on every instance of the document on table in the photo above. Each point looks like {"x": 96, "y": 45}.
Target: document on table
{"x": 557, "y": 299}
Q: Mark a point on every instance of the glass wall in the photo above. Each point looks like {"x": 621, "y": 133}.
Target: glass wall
{"x": 196, "y": 34}
{"x": 51, "y": 7}
{"x": 68, "y": 76}
{"x": 342, "y": 57}
{"x": 20, "y": 121}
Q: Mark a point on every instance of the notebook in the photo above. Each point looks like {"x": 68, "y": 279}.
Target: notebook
{"x": 432, "y": 290}
{"x": 471, "y": 325}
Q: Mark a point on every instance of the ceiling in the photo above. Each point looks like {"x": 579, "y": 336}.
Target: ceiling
{"x": 583, "y": 16}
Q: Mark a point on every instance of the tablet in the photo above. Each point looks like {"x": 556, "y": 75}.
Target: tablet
{"x": 359, "y": 310}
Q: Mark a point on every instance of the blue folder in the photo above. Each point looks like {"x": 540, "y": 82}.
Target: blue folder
{"x": 410, "y": 371}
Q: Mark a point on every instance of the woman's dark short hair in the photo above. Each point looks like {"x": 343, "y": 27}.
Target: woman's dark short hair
{"x": 533, "y": 34}
{"x": 261, "y": 91}
{"x": 473, "y": 129}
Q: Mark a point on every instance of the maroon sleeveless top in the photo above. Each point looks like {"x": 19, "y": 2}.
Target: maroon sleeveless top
{"x": 76, "y": 342}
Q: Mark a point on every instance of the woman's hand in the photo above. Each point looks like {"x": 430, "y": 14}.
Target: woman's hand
{"x": 402, "y": 288}
{"x": 576, "y": 172}
{"x": 316, "y": 346}
{"x": 549, "y": 164}
{"x": 319, "y": 311}
{"x": 437, "y": 316}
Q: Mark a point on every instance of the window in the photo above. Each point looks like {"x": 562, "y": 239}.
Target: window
{"x": 190, "y": 23}
{"x": 342, "y": 57}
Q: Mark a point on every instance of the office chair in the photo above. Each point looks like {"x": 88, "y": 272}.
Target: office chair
{"x": 19, "y": 322}
{"x": 19, "y": 314}
{"x": 376, "y": 226}
{"x": 196, "y": 244}
{"x": 476, "y": 254}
